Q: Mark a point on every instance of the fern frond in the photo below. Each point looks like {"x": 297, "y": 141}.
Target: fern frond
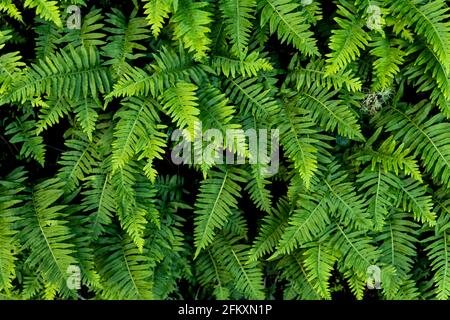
{"x": 8, "y": 7}
{"x": 390, "y": 156}
{"x": 330, "y": 114}
{"x": 248, "y": 65}
{"x": 10, "y": 70}
{"x": 191, "y": 27}
{"x": 132, "y": 217}
{"x": 413, "y": 198}
{"x": 409, "y": 291}
{"x": 438, "y": 252}
{"x": 297, "y": 131}
{"x": 425, "y": 134}
{"x": 45, "y": 232}
{"x": 220, "y": 130}
{"x": 238, "y": 15}
{"x": 166, "y": 246}
{"x": 248, "y": 278}
{"x": 46, "y": 9}
{"x": 216, "y": 111}
{"x": 74, "y": 74}
{"x": 181, "y": 104}
{"x": 346, "y": 42}
{"x": 251, "y": 96}
{"x": 293, "y": 270}
{"x": 319, "y": 261}
{"x": 271, "y": 230}
{"x": 306, "y": 222}
{"x": 48, "y": 36}
{"x": 289, "y": 24}
{"x": 152, "y": 149}
{"x": 168, "y": 69}
{"x": 77, "y": 162}
{"x": 126, "y": 273}
{"x": 428, "y": 73}
{"x": 135, "y": 120}
{"x": 380, "y": 189}
{"x": 156, "y": 11}
{"x": 212, "y": 272}
{"x": 123, "y": 45}
{"x": 5, "y": 36}
{"x": 51, "y": 112}
{"x": 11, "y": 188}
{"x": 84, "y": 253}
{"x": 258, "y": 186}
{"x": 86, "y": 115}
{"x": 389, "y": 57}
{"x": 218, "y": 196}
{"x": 262, "y": 161}
{"x": 344, "y": 202}
{"x": 356, "y": 251}
{"x": 99, "y": 201}
{"x": 89, "y": 35}
{"x": 314, "y": 73}
{"x": 356, "y": 283}
{"x": 429, "y": 20}
{"x": 23, "y": 130}
{"x": 398, "y": 248}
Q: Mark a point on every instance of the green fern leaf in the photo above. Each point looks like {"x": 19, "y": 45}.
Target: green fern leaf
{"x": 190, "y": 25}
{"x": 123, "y": 46}
{"x": 74, "y": 74}
{"x": 438, "y": 252}
{"x": 8, "y": 7}
{"x": 168, "y": 69}
{"x": 47, "y": 10}
{"x": 132, "y": 217}
{"x": 86, "y": 115}
{"x": 156, "y": 11}
{"x": 398, "y": 248}
{"x": 135, "y": 119}
{"x": 89, "y": 35}
{"x": 413, "y": 198}
{"x": 10, "y": 195}
{"x": 76, "y": 163}
{"x": 99, "y": 201}
{"x": 424, "y": 134}
{"x": 430, "y": 20}
{"x": 271, "y": 230}
{"x": 298, "y": 140}
{"x": 218, "y": 196}
{"x": 319, "y": 261}
{"x": 46, "y": 234}
{"x": 247, "y": 66}
{"x": 47, "y": 40}
{"x": 289, "y": 24}
{"x": 252, "y": 96}
{"x": 238, "y": 15}
{"x": 328, "y": 113}
{"x": 314, "y": 74}
{"x": 23, "y": 130}
{"x": 347, "y": 41}
{"x": 10, "y": 70}
{"x": 125, "y": 272}
{"x": 180, "y": 103}
{"x": 390, "y": 57}
{"x": 307, "y": 221}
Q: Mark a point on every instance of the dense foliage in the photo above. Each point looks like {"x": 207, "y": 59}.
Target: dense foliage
{"x": 359, "y": 91}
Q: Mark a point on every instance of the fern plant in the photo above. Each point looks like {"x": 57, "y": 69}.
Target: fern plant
{"x": 354, "y": 95}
